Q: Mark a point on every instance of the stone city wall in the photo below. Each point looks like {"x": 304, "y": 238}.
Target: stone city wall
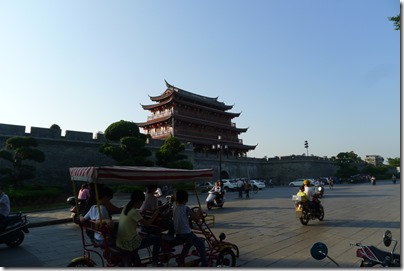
{"x": 81, "y": 149}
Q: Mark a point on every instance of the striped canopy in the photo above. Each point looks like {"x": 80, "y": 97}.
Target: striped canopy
{"x": 138, "y": 175}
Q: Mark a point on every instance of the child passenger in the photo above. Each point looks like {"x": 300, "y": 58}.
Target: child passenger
{"x": 183, "y": 230}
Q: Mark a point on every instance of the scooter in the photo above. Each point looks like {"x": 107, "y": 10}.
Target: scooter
{"x": 71, "y": 201}
{"x": 371, "y": 255}
{"x": 12, "y": 229}
{"x": 214, "y": 200}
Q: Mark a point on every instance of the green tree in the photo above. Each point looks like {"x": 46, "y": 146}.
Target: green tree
{"x": 131, "y": 150}
{"x": 55, "y": 126}
{"x": 346, "y": 162}
{"x": 170, "y": 155}
{"x": 377, "y": 171}
{"x": 396, "y": 21}
{"x": 394, "y": 162}
{"x": 18, "y": 150}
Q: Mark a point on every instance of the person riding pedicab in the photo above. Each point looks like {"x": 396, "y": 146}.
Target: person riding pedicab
{"x": 128, "y": 238}
{"x": 182, "y": 214}
{"x": 96, "y": 214}
{"x": 150, "y": 206}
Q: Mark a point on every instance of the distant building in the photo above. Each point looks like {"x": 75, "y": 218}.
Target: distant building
{"x": 200, "y": 120}
{"x": 375, "y": 160}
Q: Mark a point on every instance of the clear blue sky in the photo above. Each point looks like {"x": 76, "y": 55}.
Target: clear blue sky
{"x": 323, "y": 71}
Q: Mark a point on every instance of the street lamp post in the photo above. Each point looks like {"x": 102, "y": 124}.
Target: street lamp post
{"x": 220, "y": 147}
{"x": 306, "y": 145}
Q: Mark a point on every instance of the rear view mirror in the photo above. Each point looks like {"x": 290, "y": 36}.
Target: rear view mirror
{"x": 387, "y": 238}
{"x": 319, "y": 251}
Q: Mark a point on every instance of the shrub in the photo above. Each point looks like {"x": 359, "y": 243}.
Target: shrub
{"x": 35, "y": 194}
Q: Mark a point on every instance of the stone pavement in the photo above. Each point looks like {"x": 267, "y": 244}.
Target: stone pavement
{"x": 265, "y": 228}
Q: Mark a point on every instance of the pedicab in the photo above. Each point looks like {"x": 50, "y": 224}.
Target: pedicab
{"x": 219, "y": 252}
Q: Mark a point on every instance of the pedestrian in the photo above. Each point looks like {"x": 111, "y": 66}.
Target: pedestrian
{"x": 394, "y": 178}
{"x": 331, "y": 182}
{"x": 240, "y": 185}
{"x": 182, "y": 214}
{"x": 4, "y": 204}
{"x": 247, "y": 188}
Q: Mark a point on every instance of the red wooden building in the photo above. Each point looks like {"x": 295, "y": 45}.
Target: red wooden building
{"x": 200, "y": 120}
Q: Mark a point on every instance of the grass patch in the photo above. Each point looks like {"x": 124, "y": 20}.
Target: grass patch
{"x": 40, "y": 207}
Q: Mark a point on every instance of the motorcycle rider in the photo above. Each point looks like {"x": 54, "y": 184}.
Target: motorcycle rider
{"x": 4, "y": 204}
{"x": 217, "y": 190}
{"x": 309, "y": 191}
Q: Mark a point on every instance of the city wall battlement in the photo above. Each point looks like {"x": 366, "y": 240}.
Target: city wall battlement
{"x": 39, "y": 132}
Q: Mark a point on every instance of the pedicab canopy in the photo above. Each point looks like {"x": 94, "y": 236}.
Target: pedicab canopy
{"x": 139, "y": 175}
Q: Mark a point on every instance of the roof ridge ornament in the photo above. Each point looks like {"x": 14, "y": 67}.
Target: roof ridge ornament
{"x": 168, "y": 85}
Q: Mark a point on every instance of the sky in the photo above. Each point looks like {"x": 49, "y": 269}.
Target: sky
{"x": 323, "y": 71}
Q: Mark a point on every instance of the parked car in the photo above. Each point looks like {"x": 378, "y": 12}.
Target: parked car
{"x": 299, "y": 182}
{"x": 205, "y": 187}
{"x": 258, "y": 184}
{"x": 229, "y": 185}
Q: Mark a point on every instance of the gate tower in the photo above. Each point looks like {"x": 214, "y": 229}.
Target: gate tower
{"x": 197, "y": 119}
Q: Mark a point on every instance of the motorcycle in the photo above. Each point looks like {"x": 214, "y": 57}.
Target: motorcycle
{"x": 320, "y": 191}
{"x": 71, "y": 201}
{"x": 307, "y": 211}
{"x": 371, "y": 255}
{"x": 12, "y": 229}
{"x": 214, "y": 199}
{"x": 373, "y": 180}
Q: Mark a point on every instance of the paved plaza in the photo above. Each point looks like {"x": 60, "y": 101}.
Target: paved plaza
{"x": 264, "y": 228}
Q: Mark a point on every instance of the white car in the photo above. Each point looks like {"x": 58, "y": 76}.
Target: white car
{"x": 257, "y": 184}
{"x": 229, "y": 185}
{"x": 299, "y": 182}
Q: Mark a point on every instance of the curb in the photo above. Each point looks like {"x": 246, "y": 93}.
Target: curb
{"x": 50, "y": 222}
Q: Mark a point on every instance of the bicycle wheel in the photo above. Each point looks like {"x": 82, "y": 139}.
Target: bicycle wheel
{"x": 226, "y": 258}
{"x": 255, "y": 189}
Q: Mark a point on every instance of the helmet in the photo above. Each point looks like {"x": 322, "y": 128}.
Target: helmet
{"x": 306, "y": 182}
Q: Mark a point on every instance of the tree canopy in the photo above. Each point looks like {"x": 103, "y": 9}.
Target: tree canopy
{"x": 346, "y": 162}
{"x": 120, "y": 129}
{"x": 396, "y": 21}
{"x": 19, "y": 149}
{"x": 394, "y": 162}
{"x": 131, "y": 150}
{"x": 170, "y": 155}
